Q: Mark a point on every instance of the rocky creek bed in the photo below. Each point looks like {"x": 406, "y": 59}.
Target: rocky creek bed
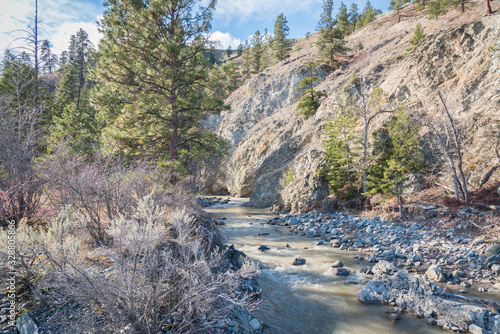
{"x": 452, "y": 257}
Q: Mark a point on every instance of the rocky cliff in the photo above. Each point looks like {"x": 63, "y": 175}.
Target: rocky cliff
{"x": 459, "y": 56}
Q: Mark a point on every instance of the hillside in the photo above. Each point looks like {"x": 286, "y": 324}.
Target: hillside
{"x": 459, "y": 56}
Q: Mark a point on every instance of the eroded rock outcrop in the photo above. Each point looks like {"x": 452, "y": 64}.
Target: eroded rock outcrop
{"x": 460, "y": 56}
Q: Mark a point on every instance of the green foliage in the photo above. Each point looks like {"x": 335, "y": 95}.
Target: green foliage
{"x": 331, "y": 39}
{"x": 343, "y": 23}
{"x": 289, "y": 177}
{"x": 353, "y": 17}
{"x": 74, "y": 119}
{"x": 281, "y": 46}
{"x": 418, "y": 34}
{"x": 360, "y": 46}
{"x": 257, "y": 52}
{"x": 341, "y": 170}
{"x": 367, "y": 16}
{"x": 397, "y": 152}
{"x": 436, "y": 8}
{"x": 156, "y": 87}
{"x": 239, "y": 49}
{"x": 48, "y": 59}
{"x": 247, "y": 61}
{"x": 309, "y": 101}
{"x": 229, "y": 51}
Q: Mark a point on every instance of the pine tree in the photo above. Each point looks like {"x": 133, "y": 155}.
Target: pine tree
{"x": 436, "y": 8}
{"x": 75, "y": 119}
{"x": 331, "y": 39}
{"x": 368, "y": 15}
{"x": 246, "y": 65}
{"x": 152, "y": 60}
{"x": 418, "y": 34}
{"x": 398, "y": 153}
{"x": 353, "y": 17}
{"x": 343, "y": 23}
{"x": 310, "y": 100}
{"x": 48, "y": 59}
{"x": 280, "y": 44}
{"x": 257, "y": 51}
{"x": 229, "y": 51}
{"x": 239, "y": 50}
{"x": 340, "y": 150}
{"x": 266, "y": 50}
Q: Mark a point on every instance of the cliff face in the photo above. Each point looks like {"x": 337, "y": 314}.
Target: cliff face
{"x": 459, "y": 56}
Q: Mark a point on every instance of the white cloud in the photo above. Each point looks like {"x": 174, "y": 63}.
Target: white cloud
{"x": 61, "y": 38}
{"x": 225, "y": 39}
{"x": 262, "y": 9}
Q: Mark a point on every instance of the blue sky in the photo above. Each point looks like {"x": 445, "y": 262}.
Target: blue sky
{"x": 233, "y": 22}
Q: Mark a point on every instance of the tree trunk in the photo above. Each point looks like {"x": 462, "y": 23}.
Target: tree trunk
{"x": 365, "y": 149}
{"x": 488, "y": 7}
{"x": 80, "y": 79}
{"x": 35, "y": 98}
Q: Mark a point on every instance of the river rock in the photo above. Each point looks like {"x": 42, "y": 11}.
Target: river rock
{"x": 475, "y": 329}
{"x": 26, "y": 324}
{"x": 255, "y": 324}
{"x": 335, "y": 243}
{"x": 495, "y": 268}
{"x": 435, "y": 273}
{"x": 341, "y": 271}
{"x": 337, "y": 264}
{"x": 299, "y": 261}
{"x": 263, "y": 248}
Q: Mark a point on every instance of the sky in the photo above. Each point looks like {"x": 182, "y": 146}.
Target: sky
{"x": 233, "y": 20}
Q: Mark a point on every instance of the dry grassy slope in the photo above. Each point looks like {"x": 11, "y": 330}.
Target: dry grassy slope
{"x": 268, "y": 136}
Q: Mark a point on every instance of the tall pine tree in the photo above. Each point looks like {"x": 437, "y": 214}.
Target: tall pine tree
{"x": 280, "y": 44}
{"x": 152, "y": 60}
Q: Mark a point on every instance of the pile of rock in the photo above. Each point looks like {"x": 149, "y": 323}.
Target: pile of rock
{"x": 460, "y": 255}
{"x": 425, "y": 299}
{"x": 209, "y": 201}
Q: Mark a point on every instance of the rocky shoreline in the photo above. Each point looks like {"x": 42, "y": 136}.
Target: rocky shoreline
{"x": 436, "y": 253}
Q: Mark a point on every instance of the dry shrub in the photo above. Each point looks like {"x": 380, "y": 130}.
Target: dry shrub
{"x": 160, "y": 272}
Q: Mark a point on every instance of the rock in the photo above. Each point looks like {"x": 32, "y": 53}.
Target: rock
{"x": 335, "y": 243}
{"x": 493, "y": 250}
{"x": 375, "y": 292}
{"x": 299, "y": 261}
{"x": 341, "y": 271}
{"x": 26, "y": 324}
{"x": 435, "y": 273}
{"x": 337, "y": 264}
{"x": 255, "y": 324}
{"x": 475, "y": 329}
{"x": 495, "y": 268}
{"x": 344, "y": 247}
{"x": 263, "y": 248}
{"x": 293, "y": 221}
{"x": 384, "y": 267}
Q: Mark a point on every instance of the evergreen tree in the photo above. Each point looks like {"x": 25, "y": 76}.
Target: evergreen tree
{"x": 48, "y": 59}
{"x": 343, "y": 23}
{"x": 418, "y": 34}
{"x": 368, "y": 15}
{"x": 436, "y": 8}
{"x": 310, "y": 100}
{"x": 340, "y": 150}
{"x": 239, "y": 50}
{"x": 75, "y": 119}
{"x": 152, "y": 60}
{"x": 266, "y": 50}
{"x": 281, "y": 45}
{"x": 246, "y": 65}
{"x": 420, "y": 4}
{"x": 398, "y": 152}
{"x": 331, "y": 39}
{"x": 229, "y": 51}
{"x": 257, "y": 51}
{"x": 353, "y": 17}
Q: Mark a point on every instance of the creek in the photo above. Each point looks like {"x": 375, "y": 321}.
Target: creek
{"x": 307, "y": 299}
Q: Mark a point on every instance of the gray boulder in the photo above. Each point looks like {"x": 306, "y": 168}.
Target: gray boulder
{"x": 298, "y": 261}
{"x": 435, "y": 273}
{"x": 26, "y": 324}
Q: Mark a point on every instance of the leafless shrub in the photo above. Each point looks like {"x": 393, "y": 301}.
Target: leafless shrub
{"x": 104, "y": 189}
{"x": 161, "y": 273}
{"x": 20, "y": 188}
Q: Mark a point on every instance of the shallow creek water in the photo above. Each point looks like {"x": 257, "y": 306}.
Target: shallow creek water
{"x": 306, "y": 299}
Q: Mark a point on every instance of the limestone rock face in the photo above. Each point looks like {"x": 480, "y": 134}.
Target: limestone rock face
{"x": 459, "y": 56}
